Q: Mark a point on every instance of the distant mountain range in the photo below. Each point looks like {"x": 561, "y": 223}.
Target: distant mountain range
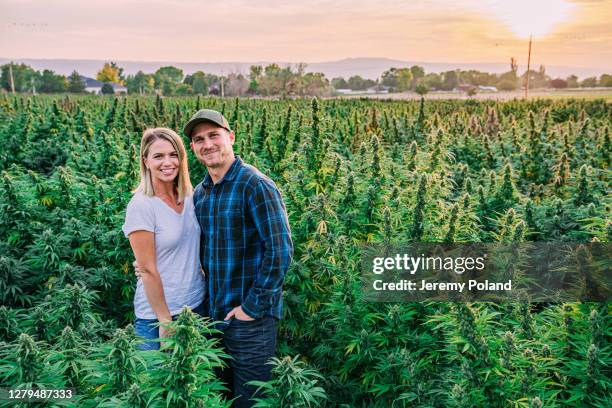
{"x": 370, "y": 68}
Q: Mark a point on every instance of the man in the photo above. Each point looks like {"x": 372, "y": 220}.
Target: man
{"x": 245, "y": 250}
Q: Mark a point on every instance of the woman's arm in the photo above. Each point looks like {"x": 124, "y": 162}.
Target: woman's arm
{"x": 143, "y": 245}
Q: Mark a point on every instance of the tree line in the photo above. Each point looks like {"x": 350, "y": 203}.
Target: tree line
{"x": 416, "y": 79}
{"x": 274, "y": 80}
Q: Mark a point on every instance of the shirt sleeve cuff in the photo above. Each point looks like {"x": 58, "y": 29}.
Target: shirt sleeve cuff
{"x": 250, "y": 310}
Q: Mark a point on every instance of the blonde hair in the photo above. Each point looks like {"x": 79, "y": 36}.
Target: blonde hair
{"x": 182, "y": 182}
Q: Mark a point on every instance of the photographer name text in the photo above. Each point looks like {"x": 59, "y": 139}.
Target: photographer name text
{"x": 425, "y": 286}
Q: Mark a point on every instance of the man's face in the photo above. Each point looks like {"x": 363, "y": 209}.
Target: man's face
{"x": 212, "y": 145}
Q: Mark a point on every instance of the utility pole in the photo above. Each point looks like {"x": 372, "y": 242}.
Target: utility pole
{"x": 222, "y": 90}
{"x": 528, "y": 69}
{"x": 11, "y": 77}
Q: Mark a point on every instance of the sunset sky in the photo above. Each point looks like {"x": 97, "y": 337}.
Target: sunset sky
{"x": 566, "y": 32}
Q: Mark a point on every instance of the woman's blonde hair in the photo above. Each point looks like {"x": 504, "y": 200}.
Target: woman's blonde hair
{"x": 182, "y": 182}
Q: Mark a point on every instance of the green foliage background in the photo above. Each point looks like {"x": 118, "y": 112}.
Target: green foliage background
{"x": 351, "y": 171}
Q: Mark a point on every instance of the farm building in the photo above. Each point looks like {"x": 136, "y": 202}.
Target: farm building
{"x": 94, "y": 86}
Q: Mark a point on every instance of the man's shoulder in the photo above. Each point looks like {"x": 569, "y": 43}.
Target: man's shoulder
{"x": 252, "y": 176}
{"x": 256, "y": 184}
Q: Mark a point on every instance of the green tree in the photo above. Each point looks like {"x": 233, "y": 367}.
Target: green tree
{"x": 277, "y": 81}
{"x": 404, "y": 79}
{"x": 51, "y": 82}
{"x": 507, "y": 85}
{"x": 432, "y": 81}
{"x": 140, "y": 84}
{"x": 339, "y": 83}
{"x": 508, "y": 81}
{"x": 537, "y": 79}
{"x": 572, "y": 81}
{"x": 167, "y": 79}
{"x": 183, "y": 89}
{"x": 476, "y": 78}
{"x": 417, "y": 73}
{"x": 421, "y": 89}
{"x": 75, "y": 83}
{"x": 255, "y": 72}
{"x": 605, "y": 80}
{"x": 356, "y": 83}
{"x": 390, "y": 78}
{"x": 236, "y": 85}
{"x": 589, "y": 82}
{"x": 315, "y": 84}
{"x": 107, "y": 89}
{"x": 200, "y": 82}
{"x": 254, "y": 76}
{"x": 451, "y": 80}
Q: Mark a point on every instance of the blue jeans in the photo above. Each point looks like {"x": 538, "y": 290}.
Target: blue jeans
{"x": 149, "y": 329}
{"x": 250, "y": 344}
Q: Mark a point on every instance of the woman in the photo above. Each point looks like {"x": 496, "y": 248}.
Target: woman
{"x": 164, "y": 235}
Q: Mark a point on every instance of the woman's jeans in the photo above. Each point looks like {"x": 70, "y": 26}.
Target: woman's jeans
{"x": 149, "y": 330}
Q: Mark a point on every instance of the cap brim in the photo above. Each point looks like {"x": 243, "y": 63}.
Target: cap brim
{"x": 194, "y": 122}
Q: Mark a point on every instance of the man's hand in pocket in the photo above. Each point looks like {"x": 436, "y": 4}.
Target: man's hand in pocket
{"x": 239, "y": 314}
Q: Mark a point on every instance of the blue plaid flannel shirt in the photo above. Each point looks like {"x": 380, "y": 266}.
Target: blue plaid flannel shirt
{"x": 245, "y": 247}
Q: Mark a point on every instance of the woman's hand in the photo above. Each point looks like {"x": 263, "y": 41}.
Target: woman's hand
{"x": 164, "y": 330}
{"x": 137, "y": 270}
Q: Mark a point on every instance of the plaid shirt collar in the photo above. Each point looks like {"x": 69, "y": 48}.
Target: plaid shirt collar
{"x": 229, "y": 176}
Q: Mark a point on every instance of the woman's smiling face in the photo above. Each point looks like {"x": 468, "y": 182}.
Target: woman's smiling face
{"x": 162, "y": 161}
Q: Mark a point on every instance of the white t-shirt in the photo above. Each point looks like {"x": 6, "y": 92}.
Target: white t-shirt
{"x": 177, "y": 246}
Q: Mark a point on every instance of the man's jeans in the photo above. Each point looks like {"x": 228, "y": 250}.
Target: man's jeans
{"x": 250, "y": 344}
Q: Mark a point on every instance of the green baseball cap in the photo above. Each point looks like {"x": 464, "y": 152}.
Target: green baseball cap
{"x": 205, "y": 115}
